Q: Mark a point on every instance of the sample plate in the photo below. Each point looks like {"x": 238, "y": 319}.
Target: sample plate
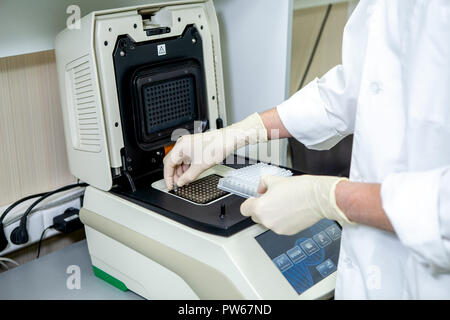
{"x": 201, "y": 191}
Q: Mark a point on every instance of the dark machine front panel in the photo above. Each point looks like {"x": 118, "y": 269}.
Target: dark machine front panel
{"x": 159, "y": 91}
{"x": 306, "y": 258}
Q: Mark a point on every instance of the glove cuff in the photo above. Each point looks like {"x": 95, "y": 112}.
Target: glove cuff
{"x": 251, "y": 130}
{"x": 338, "y": 214}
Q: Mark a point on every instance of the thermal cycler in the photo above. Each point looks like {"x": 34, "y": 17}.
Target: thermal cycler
{"x": 129, "y": 78}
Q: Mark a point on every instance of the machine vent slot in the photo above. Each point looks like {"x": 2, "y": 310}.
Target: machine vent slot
{"x": 85, "y": 106}
{"x": 169, "y": 103}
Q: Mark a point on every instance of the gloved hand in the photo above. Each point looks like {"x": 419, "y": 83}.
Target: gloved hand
{"x": 193, "y": 154}
{"x": 289, "y": 205}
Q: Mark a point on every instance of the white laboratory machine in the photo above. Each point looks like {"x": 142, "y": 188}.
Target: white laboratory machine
{"x": 129, "y": 78}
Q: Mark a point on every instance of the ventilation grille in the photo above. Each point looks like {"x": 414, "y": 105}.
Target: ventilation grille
{"x": 169, "y": 103}
{"x": 84, "y": 106}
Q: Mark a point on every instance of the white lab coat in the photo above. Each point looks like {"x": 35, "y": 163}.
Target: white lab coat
{"x": 393, "y": 92}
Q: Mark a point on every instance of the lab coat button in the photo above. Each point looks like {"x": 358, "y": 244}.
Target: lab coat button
{"x": 375, "y": 87}
{"x": 348, "y": 262}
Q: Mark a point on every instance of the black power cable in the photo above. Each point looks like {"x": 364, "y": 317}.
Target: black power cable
{"x": 19, "y": 202}
{"x": 310, "y": 60}
{"x": 65, "y": 223}
{"x": 20, "y": 235}
{"x": 40, "y": 240}
{"x": 3, "y": 241}
{"x": 316, "y": 44}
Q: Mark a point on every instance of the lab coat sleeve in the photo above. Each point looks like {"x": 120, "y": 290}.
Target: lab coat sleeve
{"x": 323, "y": 112}
{"x": 418, "y": 206}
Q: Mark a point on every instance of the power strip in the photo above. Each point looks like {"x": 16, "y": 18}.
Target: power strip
{"x": 38, "y": 221}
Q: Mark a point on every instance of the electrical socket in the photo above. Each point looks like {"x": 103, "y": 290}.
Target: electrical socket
{"x": 36, "y": 223}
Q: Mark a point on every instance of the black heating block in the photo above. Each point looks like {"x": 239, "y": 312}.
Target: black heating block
{"x": 202, "y": 191}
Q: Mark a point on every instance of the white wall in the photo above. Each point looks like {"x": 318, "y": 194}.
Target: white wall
{"x": 256, "y": 38}
{"x": 255, "y": 42}
{"x": 32, "y": 25}
{"x": 256, "y": 48}
{"x": 305, "y": 4}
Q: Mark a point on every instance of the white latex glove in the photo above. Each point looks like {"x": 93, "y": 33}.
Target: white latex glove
{"x": 289, "y": 205}
{"x": 193, "y": 154}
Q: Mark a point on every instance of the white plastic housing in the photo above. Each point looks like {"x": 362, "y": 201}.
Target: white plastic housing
{"x": 91, "y": 113}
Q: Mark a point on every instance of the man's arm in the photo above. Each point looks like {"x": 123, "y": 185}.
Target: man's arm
{"x": 361, "y": 203}
{"x": 272, "y": 122}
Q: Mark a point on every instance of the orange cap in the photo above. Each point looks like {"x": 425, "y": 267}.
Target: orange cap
{"x": 168, "y": 148}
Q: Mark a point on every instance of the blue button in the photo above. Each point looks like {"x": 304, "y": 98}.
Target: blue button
{"x": 334, "y": 232}
{"x": 296, "y": 254}
{"x": 309, "y": 246}
{"x": 322, "y": 239}
{"x": 282, "y": 262}
{"x": 326, "y": 268}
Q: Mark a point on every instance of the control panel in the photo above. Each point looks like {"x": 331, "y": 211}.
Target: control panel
{"x": 306, "y": 258}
